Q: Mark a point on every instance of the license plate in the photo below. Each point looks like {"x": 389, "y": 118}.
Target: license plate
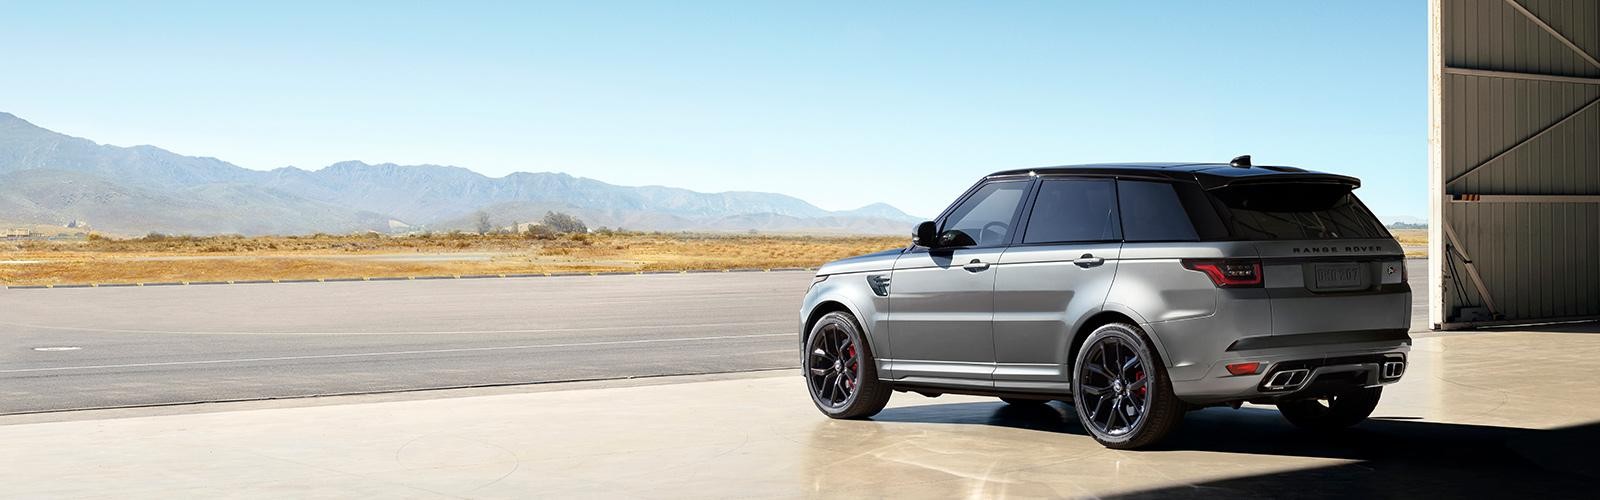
{"x": 1337, "y": 275}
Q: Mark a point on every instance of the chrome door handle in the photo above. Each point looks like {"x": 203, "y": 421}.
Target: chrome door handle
{"x": 976, "y": 265}
{"x": 1088, "y": 260}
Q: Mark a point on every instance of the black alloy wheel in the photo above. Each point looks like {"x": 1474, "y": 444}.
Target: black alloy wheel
{"x": 1120, "y": 389}
{"x": 840, "y": 371}
{"x": 1116, "y": 389}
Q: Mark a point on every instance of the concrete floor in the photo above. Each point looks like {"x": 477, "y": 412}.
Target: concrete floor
{"x": 1479, "y": 414}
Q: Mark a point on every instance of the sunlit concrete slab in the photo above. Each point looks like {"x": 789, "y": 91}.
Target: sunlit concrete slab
{"x": 1507, "y": 412}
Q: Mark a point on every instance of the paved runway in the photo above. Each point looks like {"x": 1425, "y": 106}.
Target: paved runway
{"x": 1478, "y": 415}
{"x": 99, "y": 347}
{"x": 156, "y": 345}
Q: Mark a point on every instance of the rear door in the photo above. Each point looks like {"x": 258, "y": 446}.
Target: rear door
{"x": 1059, "y": 271}
{"x": 941, "y": 300}
{"x": 1328, "y": 265}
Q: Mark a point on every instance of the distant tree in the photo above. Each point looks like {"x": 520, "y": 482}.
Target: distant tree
{"x": 484, "y": 225}
{"x": 539, "y": 231}
{"x": 564, "y": 223}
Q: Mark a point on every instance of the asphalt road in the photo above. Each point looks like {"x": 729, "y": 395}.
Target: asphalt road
{"x": 64, "y": 349}
{"x": 175, "y": 344}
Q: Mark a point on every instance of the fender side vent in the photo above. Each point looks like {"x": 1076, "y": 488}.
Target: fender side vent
{"x": 879, "y": 284}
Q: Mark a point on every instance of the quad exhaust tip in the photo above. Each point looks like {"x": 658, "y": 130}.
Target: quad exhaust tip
{"x": 1288, "y": 379}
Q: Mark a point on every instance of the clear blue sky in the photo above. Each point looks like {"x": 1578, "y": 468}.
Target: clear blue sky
{"x": 841, "y": 104}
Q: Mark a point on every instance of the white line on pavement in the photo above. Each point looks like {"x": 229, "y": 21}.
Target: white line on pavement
{"x": 391, "y": 353}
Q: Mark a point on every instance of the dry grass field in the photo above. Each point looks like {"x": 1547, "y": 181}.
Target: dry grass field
{"x": 1415, "y": 241}
{"x": 234, "y": 258}
{"x": 227, "y": 258}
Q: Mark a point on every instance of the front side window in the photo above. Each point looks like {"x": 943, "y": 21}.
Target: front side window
{"x": 1074, "y": 210}
{"x": 984, "y": 219}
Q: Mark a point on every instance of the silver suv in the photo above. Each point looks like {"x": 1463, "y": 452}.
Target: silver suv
{"x": 1133, "y": 292}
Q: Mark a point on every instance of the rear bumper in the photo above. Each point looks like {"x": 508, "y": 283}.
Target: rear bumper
{"x": 1387, "y": 335}
{"x": 1299, "y": 372}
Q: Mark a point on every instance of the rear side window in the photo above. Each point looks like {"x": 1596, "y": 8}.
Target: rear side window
{"x": 1074, "y": 210}
{"x": 1159, "y": 211}
{"x": 1296, "y": 211}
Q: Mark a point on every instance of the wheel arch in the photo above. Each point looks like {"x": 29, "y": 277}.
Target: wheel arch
{"x": 822, "y": 309}
{"x": 879, "y": 347}
{"x": 1113, "y": 313}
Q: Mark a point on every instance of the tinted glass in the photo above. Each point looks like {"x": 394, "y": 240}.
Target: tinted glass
{"x": 1151, "y": 211}
{"x": 1288, "y": 211}
{"x": 1070, "y": 210}
{"x": 984, "y": 219}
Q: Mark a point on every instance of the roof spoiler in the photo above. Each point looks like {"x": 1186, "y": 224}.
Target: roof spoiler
{"x": 1210, "y": 182}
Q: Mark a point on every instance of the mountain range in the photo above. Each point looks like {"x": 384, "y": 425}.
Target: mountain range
{"x": 52, "y": 178}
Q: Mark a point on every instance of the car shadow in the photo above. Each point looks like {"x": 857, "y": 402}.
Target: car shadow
{"x": 1576, "y": 327}
{"x": 1388, "y": 456}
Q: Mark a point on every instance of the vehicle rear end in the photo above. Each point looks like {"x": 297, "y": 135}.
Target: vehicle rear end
{"x": 1326, "y": 276}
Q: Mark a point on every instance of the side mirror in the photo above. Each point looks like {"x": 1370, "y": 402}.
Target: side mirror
{"x": 926, "y": 234}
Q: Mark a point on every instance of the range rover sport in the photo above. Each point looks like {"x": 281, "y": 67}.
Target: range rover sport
{"x": 1133, "y": 292}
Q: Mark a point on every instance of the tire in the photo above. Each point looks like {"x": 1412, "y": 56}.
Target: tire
{"x": 1104, "y": 398}
{"x": 1341, "y": 411}
{"x": 840, "y": 371}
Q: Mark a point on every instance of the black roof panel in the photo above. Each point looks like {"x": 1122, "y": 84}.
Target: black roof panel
{"x": 1211, "y": 175}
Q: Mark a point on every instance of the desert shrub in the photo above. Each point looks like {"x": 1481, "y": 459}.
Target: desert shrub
{"x": 540, "y": 232}
{"x": 562, "y": 222}
{"x": 484, "y": 225}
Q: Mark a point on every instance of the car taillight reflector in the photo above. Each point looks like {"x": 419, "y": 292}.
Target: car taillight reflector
{"x": 1228, "y": 273}
{"x": 1244, "y": 368}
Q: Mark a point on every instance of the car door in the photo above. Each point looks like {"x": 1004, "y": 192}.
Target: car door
{"x": 1058, "y": 272}
{"x": 940, "y": 300}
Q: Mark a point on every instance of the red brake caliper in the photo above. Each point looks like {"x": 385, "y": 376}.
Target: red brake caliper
{"x": 1137, "y": 376}
{"x": 850, "y": 351}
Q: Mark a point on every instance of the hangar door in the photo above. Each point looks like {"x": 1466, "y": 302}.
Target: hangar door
{"x": 1514, "y": 161}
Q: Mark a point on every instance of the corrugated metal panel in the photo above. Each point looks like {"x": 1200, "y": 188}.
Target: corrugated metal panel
{"x": 1490, "y": 34}
{"x": 1538, "y": 260}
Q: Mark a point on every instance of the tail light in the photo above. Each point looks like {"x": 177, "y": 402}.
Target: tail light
{"x": 1228, "y": 273}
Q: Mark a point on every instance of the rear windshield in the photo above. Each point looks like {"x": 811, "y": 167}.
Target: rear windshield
{"x": 1295, "y": 211}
